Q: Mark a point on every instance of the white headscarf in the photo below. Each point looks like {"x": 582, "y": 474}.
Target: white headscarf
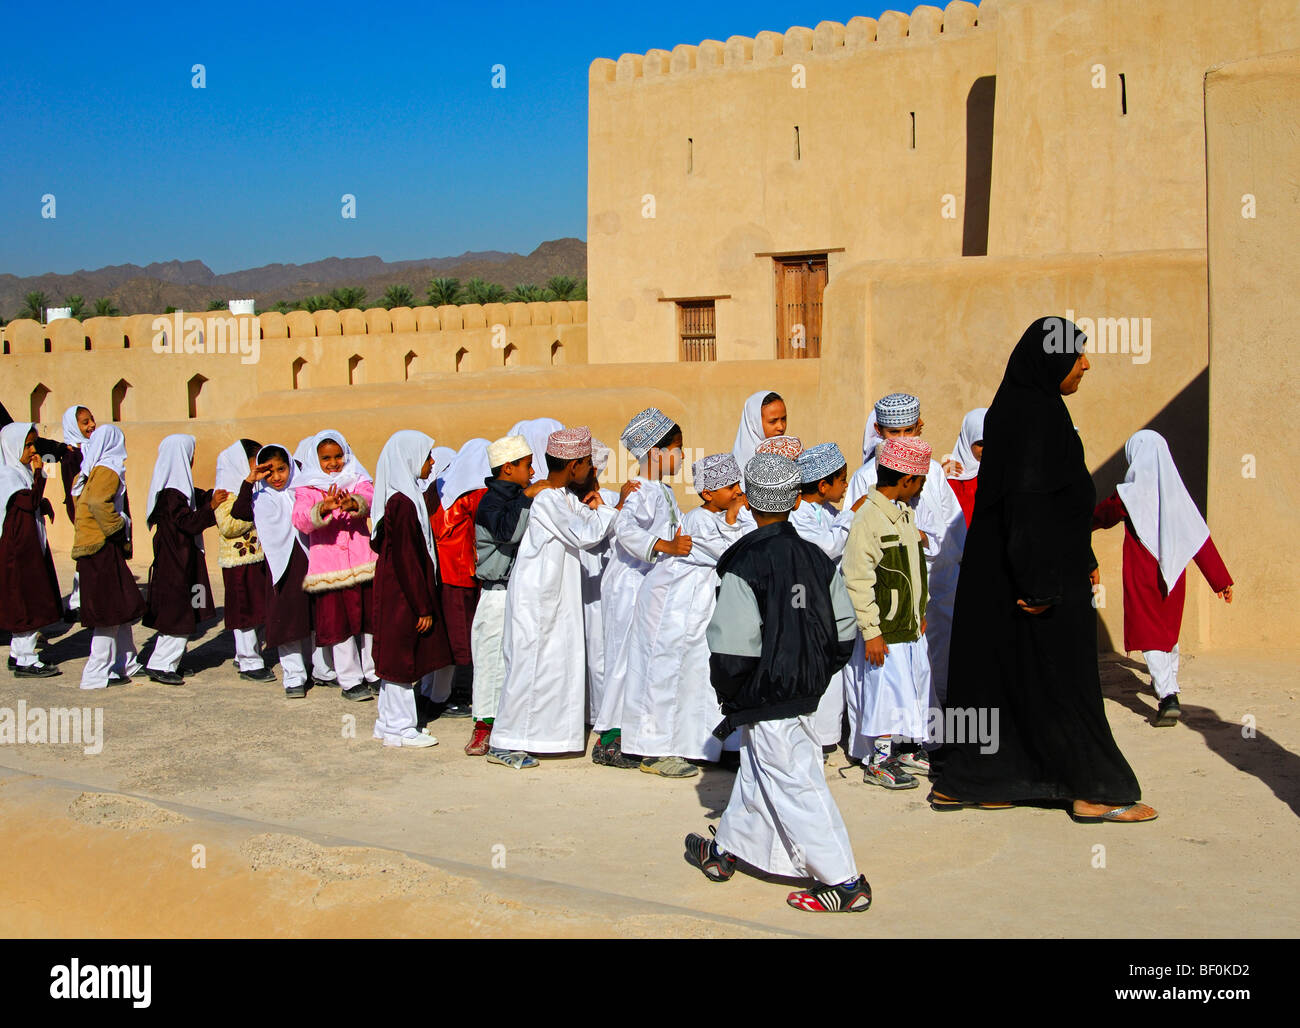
{"x": 537, "y": 432}
{"x": 345, "y": 479}
{"x": 232, "y": 468}
{"x": 105, "y": 448}
{"x": 399, "y": 463}
{"x": 871, "y": 438}
{"x": 273, "y": 517}
{"x": 972, "y": 432}
{"x": 304, "y": 447}
{"x": 172, "y": 471}
{"x": 1163, "y": 515}
{"x": 750, "y": 432}
{"x": 442, "y": 458}
{"x": 15, "y": 476}
{"x": 71, "y": 430}
{"x": 466, "y": 472}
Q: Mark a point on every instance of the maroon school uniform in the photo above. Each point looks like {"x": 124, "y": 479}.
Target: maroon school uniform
{"x": 288, "y": 608}
{"x": 109, "y": 594}
{"x": 69, "y": 466}
{"x": 246, "y": 589}
{"x": 405, "y": 589}
{"x": 29, "y": 588}
{"x": 1152, "y": 617}
{"x": 180, "y": 597}
{"x": 339, "y": 614}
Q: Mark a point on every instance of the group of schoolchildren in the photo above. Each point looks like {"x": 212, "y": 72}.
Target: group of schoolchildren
{"x": 792, "y": 605}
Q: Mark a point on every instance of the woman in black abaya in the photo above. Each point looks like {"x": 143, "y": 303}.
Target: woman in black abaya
{"x": 1024, "y": 636}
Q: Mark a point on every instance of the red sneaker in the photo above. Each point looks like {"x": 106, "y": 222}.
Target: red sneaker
{"x": 833, "y": 899}
{"x": 478, "y": 742}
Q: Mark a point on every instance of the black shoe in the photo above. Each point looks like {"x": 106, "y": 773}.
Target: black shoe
{"x": 324, "y": 683}
{"x": 295, "y": 692}
{"x": 612, "y": 755}
{"x": 12, "y": 663}
{"x": 164, "y": 677}
{"x": 118, "y": 680}
{"x": 704, "y": 854}
{"x": 452, "y": 710}
{"x": 262, "y": 674}
{"x": 358, "y": 693}
{"x": 1169, "y": 712}
{"x": 729, "y": 760}
{"x": 373, "y": 685}
{"x": 37, "y": 671}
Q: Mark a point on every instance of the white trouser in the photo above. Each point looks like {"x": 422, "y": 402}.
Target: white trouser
{"x": 293, "y": 663}
{"x": 1164, "y": 670}
{"x": 829, "y": 718}
{"x": 437, "y": 684}
{"x": 485, "y": 640}
{"x": 353, "y": 663}
{"x": 248, "y": 655}
{"x": 781, "y": 817}
{"x": 112, "y": 651}
{"x": 322, "y": 663}
{"x": 23, "y": 649}
{"x": 892, "y": 699}
{"x": 396, "y": 709}
{"x": 167, "y": 652}
{"x": 74, "y": 597}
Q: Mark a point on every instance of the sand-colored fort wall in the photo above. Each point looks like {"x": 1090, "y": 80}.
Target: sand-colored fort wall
{"x": 943, "y": 330}
{"x": 1254, "y": 157}
{"x": 111, "y": 365}
{"x": 1008, "y": 124}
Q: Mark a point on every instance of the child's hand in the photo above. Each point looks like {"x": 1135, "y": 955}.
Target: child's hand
{"x": 35, "y": 463}
{"x": 952, "y": 466}
{"x": 331, "y": 501}
{"x": 424, "y": 624}
{"x": 593, "y": 500}
{"x": 350, "y": 503}
{"x": 735, "y": 507}
{"x": 923, "y": 624}
{"x": 537, "y": 487}
{"x": 679, "y": 546}
{"x": 260, "y": 473}
{"x": 219, "y": 496}
{"x": 1225, "y": 595}
{"x": 1030, "y": 610}
{"x": 876, "y": 650}
{"x": 925, "y": 539}
{"x": 629, "y": 487}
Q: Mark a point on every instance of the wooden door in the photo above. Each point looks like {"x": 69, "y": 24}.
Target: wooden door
{"x": 800, "y": 283}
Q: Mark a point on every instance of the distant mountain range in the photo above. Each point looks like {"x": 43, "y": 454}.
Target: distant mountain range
{"x": 192, "y": 285}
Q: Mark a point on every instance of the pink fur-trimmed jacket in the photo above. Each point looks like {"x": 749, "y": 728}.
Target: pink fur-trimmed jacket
{"x": 339, "y": 553}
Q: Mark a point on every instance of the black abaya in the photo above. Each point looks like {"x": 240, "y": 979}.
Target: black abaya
{"x": 1030, "y": 539}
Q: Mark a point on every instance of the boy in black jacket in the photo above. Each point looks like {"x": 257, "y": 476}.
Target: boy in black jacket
{"x": 782, "y": 627}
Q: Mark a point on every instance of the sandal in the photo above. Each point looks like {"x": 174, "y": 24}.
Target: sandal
{"x": 938, "y": 801}
{"x": 1114, "y": 815}
{"x": 517, "y": 759}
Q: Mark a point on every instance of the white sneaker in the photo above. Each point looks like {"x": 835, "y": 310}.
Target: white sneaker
{"x": 420, "y": 742}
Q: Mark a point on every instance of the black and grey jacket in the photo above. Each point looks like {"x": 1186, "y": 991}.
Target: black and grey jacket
{"x": 498, "y": 529}
{"x": 783, "y": 625}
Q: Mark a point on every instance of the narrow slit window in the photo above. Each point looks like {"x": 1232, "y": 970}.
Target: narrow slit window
{"x": 690, "y": 155}
{"x": 1123, "y": 95}
{"x": 913, "y": 117}
{"x": 796, "y": 142}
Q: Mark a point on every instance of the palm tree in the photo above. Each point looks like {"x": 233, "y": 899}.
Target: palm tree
{"x": 561, "y": 287}
{"x": 398, "y": 296}
{"x": 312, "y": 304}
{"x": 525, "y": 292}
{"x": 346, "y": 297}
{"x": 444, "y": 291}
{"x": 106, "y": 308}
{"x": 34, "y": 305}
{"x": 76, "y": 304}
{"x": 283, "y": 306}
{"x": 478, "y": 291}
{"x": 216, "y": 305}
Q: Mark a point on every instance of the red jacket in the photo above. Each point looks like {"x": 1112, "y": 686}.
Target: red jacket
{"x": 453, "y": 532}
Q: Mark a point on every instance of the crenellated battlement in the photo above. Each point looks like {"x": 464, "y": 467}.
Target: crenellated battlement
{"x": 925, "y": 24}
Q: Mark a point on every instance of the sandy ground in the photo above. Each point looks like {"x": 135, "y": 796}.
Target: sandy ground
{"x": 221, "y": 809}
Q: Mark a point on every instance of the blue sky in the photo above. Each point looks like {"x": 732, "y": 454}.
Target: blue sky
{"x": 304, "y": 103}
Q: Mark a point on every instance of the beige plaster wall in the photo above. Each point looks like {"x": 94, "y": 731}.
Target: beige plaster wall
{"x": 1254, "y": 297}
{"x": 942, "y": 330}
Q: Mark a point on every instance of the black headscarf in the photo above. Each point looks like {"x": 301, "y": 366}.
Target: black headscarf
{"x": 1030, "y": 444}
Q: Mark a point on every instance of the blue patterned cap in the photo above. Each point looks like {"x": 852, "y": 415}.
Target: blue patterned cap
{"x": 771, "y": 483}
{"x": 820, "y": 461}
{"x": 898, "y": 410}
{"x": 715, "y": 471}
{"x": 645, "y": 430}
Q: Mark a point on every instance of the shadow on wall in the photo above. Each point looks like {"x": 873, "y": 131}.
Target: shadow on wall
{"x": 1190, "y": 450}
{"x": 979, "y": 166}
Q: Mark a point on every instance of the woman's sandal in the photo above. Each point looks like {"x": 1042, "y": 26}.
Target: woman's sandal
{"x": 1114, "y": 816}
{"x": 938, "y": 801}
